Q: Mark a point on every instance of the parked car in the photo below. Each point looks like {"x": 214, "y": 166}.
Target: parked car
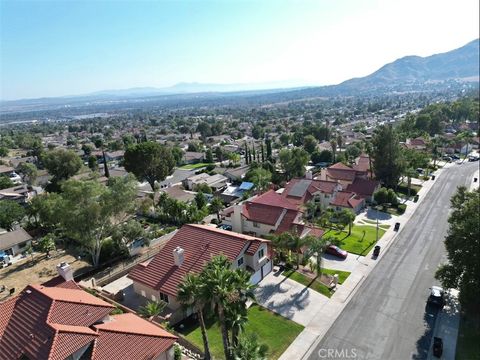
{"x": 447, "y": 158}
{"x": 336, "y": 251}
{"x": 376, "y": 251}
{"x": 436, "y": 296}
{"x": 397, "y": 226}
{"x": 455, "y": 157}
{"x": 437, "y": 347}
{"x": 225, "y": 227}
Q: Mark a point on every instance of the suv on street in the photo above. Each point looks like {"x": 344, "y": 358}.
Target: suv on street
{"x": 436, "y": 296}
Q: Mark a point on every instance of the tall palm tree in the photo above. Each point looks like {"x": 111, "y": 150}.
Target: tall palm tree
{"x": 191, "y": 293}
{"x": 217, "y": 277}
{"x": 333, "y": 144}
{"x": 409, "y": 173}
{"x": 316, "y": 247}
{"x": 347, "y": 217}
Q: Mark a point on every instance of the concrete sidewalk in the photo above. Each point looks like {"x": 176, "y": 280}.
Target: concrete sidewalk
{"x": 326, "y": 316}
{"x": 446, "y": 327}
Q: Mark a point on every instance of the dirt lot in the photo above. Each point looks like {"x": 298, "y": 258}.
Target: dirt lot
{"x": 26, "y": 271}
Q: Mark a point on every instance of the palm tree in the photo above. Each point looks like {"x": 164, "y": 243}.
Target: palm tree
{"x": 152, "y": 308}
{"x": 347, "y": 217}
{"x": 316, "y": 247}
{"x": 216, "y": 206}
{"x": 217, "y": 277}
{"x": 409, "y": 173}
{"x": 292, "y": 242}
{"x": 229, "y": 291}
{"x": 248, "y": 348}
{"x": 234, "y": 158}
{"x": 191, "y": 293}
{"x": 333, "y": 144}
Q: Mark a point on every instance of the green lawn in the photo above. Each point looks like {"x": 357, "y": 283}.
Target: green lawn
{"x": 194, "y": 166}
{"x": 308, "y": 282}
{"x": 272, "y": 329}
{"x": 361, "y": 240}
{"x": 468, "y": 346}
{"x": 315, "y": 285}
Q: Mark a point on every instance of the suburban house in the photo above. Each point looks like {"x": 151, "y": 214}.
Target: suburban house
{"x": 237, "y": 174}
{"x": 187, "y": 252}
{"x": 300, "y": 191}
{"x": 416, "y": 144}
{"x": 6, "y": 170}
{"x": 193, "y": 157}
{"x": 342, "y": 174}
{"x": 364, "y": 188}
{"x": 362, "y": 164}
{"x": 348, "y": 200}
{"x": 14, "y": 242}
{"x": 20, "y": 193}
{"x": 269, "y": 213}
{"x": 234, "y": 193}
{"x": 176, "y": 192}
{"x": 216, "y": 182}
{"x": 59, "y": 320}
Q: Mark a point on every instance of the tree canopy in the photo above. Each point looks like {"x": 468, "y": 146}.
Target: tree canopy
{"x": 462, "y": 271}
{"x": 61, "y": 164}
{"x": 149, "y": 161}
{"x": 387, "y": 163}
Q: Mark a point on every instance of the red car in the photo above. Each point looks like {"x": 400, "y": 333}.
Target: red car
{"x": 336, "y": 251}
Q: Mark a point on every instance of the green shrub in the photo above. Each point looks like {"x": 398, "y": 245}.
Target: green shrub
{"x": 401, "y": 208}
{"x": 415, "y": 199}
{"x": 403, "y": 189}
{"x": 177, "y": 352}
{"x": 116, "y": 311}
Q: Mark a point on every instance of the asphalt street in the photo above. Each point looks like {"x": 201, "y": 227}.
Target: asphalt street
{"x": 388, "y": 317}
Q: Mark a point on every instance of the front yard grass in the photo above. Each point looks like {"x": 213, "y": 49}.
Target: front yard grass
{"x": 314, "y": 284}
{"x": 360, "y": 241}
{"x": 308, "y": 282}
{"x": 272, "y": 329}
{"x": 194, "y": 166}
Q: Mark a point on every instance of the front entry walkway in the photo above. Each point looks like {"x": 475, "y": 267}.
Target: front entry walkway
{"x": 289, "y": 298}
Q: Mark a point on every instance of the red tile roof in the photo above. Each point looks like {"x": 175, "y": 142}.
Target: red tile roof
{"x": 45, "y": 322}
{"x": 363, "y": 187}
{"x": 200, "y": 244}
{"x": 346, "y": 199}
{"x": 313, "y": 187}
{"x": 363, "y": 163}
{"x": 267, "y": 208}
{"x": 340, "y": 171}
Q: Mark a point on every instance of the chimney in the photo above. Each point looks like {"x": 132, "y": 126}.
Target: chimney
{"x": 236, "y": 218}
{"x": 65, "y": 271}
{"x": 309, "y": 175}
{"x": 178, "y": 256}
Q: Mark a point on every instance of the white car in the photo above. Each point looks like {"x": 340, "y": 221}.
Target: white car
{"x": 459, "y": 162}
{"x": 16, "y": 179}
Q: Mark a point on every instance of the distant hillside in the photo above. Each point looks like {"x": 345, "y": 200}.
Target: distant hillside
{"x": 461, "y": 63}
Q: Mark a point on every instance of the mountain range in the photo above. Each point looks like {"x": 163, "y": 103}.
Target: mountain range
{"x": 410, "y": 73}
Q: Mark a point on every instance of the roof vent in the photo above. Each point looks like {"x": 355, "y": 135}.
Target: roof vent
{"x": 178, "y": 256}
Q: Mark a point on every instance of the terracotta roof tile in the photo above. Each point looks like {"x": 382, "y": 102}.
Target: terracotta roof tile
{"x": 200, "y": 244}
{"x": 70, "y": 295}
{"x": 132, "y": 324}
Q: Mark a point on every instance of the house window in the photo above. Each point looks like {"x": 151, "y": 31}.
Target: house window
{"x": 164, "y": 297}
{"x": 240, "y": 262}
{"x": 255, "y": 224}
{"x": 261, "y": 253}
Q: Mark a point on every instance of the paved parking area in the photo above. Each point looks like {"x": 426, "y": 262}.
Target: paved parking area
{"x": 289, "y": 298}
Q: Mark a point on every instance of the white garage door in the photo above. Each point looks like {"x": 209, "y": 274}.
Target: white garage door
{"x": 255, "y": 279}
{"x": 267, "y": 268}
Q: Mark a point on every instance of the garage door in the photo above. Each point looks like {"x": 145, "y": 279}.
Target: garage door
{"x": 255, "y": 279}
{"x": 266, "y": 268}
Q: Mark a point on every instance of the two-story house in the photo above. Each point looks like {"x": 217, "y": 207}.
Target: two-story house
{"x": 59, "y": 320}
{"x": 188, "y": 251}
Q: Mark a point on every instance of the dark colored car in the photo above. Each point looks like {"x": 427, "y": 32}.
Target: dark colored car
{"x": 225, "y": 227}
{"x": 397, "y": 226}
{"x": 437, "y": 347}
{"x": 436, "y": 296}
{"x": 455, "y": 157}
{"x": 376, "y": 251}
{"x": 336, "y": 251}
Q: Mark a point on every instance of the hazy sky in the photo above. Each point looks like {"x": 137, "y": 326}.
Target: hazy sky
{"x": 74, "y": 47}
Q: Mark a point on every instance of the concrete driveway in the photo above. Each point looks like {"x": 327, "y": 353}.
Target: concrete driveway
{"x": 335, "y": 263}
{"x": 289, "y": 298}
